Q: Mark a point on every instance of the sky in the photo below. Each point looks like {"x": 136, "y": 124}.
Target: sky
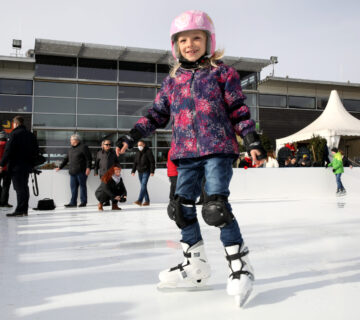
{"x": 317, "y": 40}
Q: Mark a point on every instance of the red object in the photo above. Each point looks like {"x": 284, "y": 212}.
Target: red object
{"x": 171, "y": 167}
{"x": 2, "y": 149}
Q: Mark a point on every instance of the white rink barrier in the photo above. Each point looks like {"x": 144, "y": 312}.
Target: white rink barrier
{"x": 250, "y": 184}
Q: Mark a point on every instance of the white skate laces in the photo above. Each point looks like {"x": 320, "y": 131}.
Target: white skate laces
{"x": 193, "y": 272}
{"x": 241, "y": 275}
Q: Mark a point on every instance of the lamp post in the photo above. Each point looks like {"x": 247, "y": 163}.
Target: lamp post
{"x": 273, "y": 61}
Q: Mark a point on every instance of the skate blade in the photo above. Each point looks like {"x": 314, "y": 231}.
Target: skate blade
{"x": 240, "y": 300}
{"x": 173, "y": 288}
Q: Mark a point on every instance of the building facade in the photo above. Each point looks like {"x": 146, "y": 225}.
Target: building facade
{"x": 287, "y": 105}
{"x": 96, "y": 91}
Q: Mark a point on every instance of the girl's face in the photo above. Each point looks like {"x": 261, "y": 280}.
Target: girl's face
{"x": 117, "y": 171}
{"x": 192, "y": 44}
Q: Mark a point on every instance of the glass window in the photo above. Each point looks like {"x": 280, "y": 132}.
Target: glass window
{"x": 97, "y": 69}
{"x": 161, "y": 157}
{"x": 54, "y": 105}
{"x": 136, "y": 93}
{"x": 15, "y": 103}
{"x": 163, "y": 139}
{"x": 54, "y": 66}
{"x": 54, "y": 156}
{"x": 135, "y": 108}
{"x": 272, "y": 100}
{"x": 53, "y": 138}
{"x": 136, "y": 72}
{"x": 254, "y": 113}
{"x": 53, "y": 120}
{"x": 54, "y": 89}
{"x": 92, "y": 106}
{"x": 6, "y": 118}
{"x": 321, "y": 103}
{"x": 162, "y": 72}
{"x": 250, "y": 99}
{"x": 97, "y": 91}
{"x": 302, "y": 102}
{"x": 96, "y": 121}
{"x": 12, "y": 86}
{"x": 352, "y": 105}
{"x": 94, "y": 138}
{"x": 249, "y": 82}
{"x": 127, "y": 122}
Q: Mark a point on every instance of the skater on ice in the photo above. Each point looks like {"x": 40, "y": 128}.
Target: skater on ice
{"x": 338, "y": 169}
{"x": 203, "y": 100}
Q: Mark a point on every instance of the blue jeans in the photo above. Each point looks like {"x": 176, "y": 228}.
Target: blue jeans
{"x": 77, "y": 180}
{"x": 338, "y": 181}
{"x": 144, "y": 178}
{"x": 218, "y": 172}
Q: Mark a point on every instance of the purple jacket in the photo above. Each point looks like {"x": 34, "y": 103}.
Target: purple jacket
{"x": 206, "y": 108}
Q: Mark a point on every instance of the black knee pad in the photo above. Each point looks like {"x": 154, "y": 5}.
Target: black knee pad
{"x": 215, "y": 211}
{"x": 175, "y": 213}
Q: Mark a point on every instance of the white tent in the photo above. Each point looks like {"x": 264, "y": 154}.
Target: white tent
{"x": 333, "y": 123}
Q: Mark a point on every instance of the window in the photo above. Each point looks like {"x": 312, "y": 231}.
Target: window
{"x": 162, "y": 72}
{"x": 134, "y": 108}
{"x": 54, "y": 89}
{"x": 54, "y": 66}
{"x": 53, "y": 120}
{"x": 352, "y": 105}
{"x": 163, "y": 140}
{"x": 250, "y": 99}
{"x": 97, "y": 91}
{"x": 96, "y": 121}
{"x": 136, "y": 72}
{"x": 249, "y": 82}
{"x": 127, "y": 122}
{"x": 54, "y": 105}
{"x": 15, "y": 103}
{"x": 94, "y": 138}
{"x": 53, "y": 138}
{"x": 97, "y": 69}
{"x": 321, "y": 103}
{"x": 12, "y": 86}
{"x": 301, "y": 102}
{"x": 96, "y": 106}
{"x": 137, "y": 93}
{"x": 272, "y": 100}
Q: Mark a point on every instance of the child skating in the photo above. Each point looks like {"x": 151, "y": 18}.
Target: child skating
{"x": 338, "y": 169}
{"x": 203, "y": 100}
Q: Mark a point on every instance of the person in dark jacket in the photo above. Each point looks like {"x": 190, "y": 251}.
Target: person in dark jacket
{"x": 4, "y": 175}
{"x": 111, "y": 188}
{"x": 172, "y": 174}
{"x": 144, "y": 163}
{"x": 105, "y": 159}
{"x": 19, "y": 156}
{"x": 79, "y": 159}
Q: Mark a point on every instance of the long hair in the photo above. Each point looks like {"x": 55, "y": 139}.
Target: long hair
{"x": 212, "y": 61}
{"x": 107, "y": 176}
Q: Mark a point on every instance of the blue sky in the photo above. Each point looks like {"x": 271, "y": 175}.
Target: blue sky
{"x": 317, "y": 39}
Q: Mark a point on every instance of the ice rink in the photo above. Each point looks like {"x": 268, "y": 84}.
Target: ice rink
{"x": 81, "y": 264}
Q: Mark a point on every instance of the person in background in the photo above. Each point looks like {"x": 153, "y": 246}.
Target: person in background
{"x": 345, "y": 160}
{"x": 111, "y": 188}
{"x": 271, "y": 161}
{"x": 19, "y": 156}
{"x": 172, "y": 174}
{"x": 144, "y": 163}
{"x": 79, "y": 159}
{"x": 304, "y": 161}
{"x": 284, "y": 153}
{"x": 105, "y": 159}
{"x": 291, "y": 163}
{"x": 5, "y": 177}
{"x": 338, "y": 170}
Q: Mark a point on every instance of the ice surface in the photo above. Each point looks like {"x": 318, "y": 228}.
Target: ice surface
{"x": 81, "y": 264}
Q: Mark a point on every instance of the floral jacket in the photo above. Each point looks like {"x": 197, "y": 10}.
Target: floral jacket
{"x": 206, "y": 109}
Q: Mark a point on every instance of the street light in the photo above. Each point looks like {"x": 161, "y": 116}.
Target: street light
{"x": 273, "y": 61}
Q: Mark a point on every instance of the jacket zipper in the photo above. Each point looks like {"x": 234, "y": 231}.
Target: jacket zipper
{"x": 194, "y": 111}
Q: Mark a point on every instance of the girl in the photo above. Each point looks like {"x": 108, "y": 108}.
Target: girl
{"x": 202, "y": 98}
{"x": 111, "y": 188}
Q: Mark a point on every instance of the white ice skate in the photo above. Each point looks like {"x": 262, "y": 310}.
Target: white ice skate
{"x": 241, "y": 278}
{"x": 192, "y": 274}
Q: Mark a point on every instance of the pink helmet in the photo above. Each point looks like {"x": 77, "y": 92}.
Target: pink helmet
{"x": 193, "y": 20}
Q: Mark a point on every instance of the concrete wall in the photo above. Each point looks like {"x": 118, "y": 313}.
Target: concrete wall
{"x": 250, "y": 184}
